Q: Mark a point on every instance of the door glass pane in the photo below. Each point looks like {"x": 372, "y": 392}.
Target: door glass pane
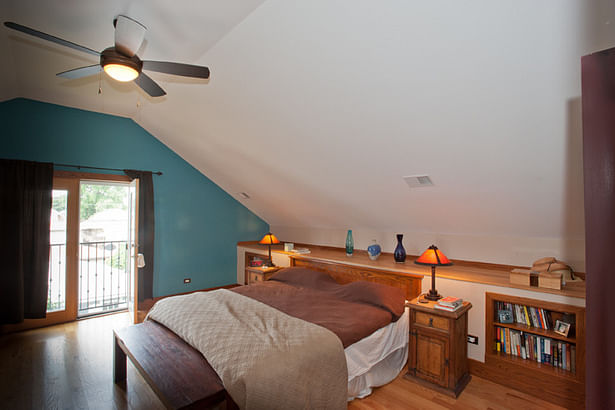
{"x": 103, "y": 247}
{"x": 56, "y": 296}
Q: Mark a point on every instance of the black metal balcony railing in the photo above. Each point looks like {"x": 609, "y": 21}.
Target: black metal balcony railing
{"x": 103, "y": 277}
{"x": 56, "y": 299}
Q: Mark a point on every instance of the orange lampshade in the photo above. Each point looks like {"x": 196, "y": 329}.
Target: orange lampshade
{"x": 269, "y": 239}
{"x": 434, "y": 257}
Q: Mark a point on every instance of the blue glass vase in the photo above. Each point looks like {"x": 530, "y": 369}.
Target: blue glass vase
{"x": 374, "y": 250}
{"x": 349, "y": 243}
{"x": 400, "y": 252}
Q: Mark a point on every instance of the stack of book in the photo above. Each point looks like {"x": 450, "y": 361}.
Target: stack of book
{"x": 537, "y": 348}
{"x": 449, "y": 303}
{"x": 300, "y": 250}
{"x": 527, "y": 315}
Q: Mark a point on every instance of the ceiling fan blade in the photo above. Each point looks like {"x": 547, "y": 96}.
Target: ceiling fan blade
{"x": 49, "y": 37}
{"x": 186, "y": 70}
{"x": 129, "y": 35}
{"x": 149, "y": 86}
{"x": 80, "y": 72}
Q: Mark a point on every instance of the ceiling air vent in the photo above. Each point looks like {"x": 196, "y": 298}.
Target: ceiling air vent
{"x": 416, "y": 181}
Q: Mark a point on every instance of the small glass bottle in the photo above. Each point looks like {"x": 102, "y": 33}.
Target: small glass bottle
{"x": 349, "y": 243}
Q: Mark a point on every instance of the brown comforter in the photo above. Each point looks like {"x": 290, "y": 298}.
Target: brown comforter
{"x": 352, "y": 311}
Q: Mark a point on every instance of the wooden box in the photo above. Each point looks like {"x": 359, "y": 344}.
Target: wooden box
{"x": 520, "y": 277}
{"x": 551, "y": 280}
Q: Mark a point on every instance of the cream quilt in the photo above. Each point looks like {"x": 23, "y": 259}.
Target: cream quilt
{"x": 265, "y": 358}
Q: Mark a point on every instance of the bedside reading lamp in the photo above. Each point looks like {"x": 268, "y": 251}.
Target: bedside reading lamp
{"x": 269, "y": 239}
{"x": 433, "y": 257}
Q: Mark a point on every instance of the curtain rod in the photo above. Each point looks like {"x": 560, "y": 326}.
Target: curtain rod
{"x": 104, "y": 169}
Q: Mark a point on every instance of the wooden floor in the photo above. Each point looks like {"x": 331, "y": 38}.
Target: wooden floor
{"x": 70, "y": 367}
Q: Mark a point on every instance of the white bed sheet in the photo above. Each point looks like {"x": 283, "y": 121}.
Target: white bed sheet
{"x": 378, "y": 358}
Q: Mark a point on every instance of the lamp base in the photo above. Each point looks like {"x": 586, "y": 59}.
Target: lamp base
{"x": 433, "y": 295}
{"x": 269, "y": 264}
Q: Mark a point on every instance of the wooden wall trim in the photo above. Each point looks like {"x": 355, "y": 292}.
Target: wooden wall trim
{"x": 91, "y": 176}
{"x": 466, "y": 271}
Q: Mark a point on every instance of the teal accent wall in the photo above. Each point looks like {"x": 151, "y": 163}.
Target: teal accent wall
{"x": 197, "y": 223}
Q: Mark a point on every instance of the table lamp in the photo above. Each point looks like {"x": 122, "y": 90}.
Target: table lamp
{"x": 433, "y": 257}
{"x": 269, "y": 239}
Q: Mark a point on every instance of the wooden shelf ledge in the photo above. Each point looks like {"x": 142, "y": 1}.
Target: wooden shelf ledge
{"x": 466, "y": 271}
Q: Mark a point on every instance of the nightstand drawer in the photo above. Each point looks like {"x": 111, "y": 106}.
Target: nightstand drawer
{"x": 428, "y": 320}
{"x": 255, "y": 277}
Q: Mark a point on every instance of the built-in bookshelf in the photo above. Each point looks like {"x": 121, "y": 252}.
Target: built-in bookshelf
{"x": 532, "y": 356}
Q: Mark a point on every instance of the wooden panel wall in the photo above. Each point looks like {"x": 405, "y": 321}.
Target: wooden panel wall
{"x": 410, "y": 284}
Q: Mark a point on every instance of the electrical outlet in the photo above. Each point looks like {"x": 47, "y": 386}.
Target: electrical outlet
{"x": 187, "y": 280}
{"x": 473, "y": 339}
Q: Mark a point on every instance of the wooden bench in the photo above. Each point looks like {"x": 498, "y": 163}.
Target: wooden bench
{"x": 179, "y": 375}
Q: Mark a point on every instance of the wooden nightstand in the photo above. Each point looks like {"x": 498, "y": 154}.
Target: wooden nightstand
{"x": 257, "y": 274}
{"x": 438, "y": 355}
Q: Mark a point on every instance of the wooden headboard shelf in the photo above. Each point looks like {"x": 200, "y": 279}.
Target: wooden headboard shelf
{"x": 342, "y": 273}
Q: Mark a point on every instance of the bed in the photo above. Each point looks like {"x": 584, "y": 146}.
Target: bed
{"x": 293, "y": 322}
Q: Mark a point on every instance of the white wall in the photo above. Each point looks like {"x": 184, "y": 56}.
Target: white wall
{"x": 508, "y": 250}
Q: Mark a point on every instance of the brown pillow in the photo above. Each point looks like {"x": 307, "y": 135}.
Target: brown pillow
{"x": 303, "y": 277}
{"x": 383, "y": 296}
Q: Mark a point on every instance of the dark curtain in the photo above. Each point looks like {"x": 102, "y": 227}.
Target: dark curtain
{"x": 598, "y": 84}
{"x": 146, "y": 231}
{"x": 25, "y": 213}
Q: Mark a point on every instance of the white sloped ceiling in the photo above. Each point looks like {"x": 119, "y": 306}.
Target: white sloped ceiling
{"x": 317, "y": 109}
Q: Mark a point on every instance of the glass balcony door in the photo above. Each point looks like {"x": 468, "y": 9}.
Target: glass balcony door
{"x": 104, "y": 247}
{"x": 63, "y": 238}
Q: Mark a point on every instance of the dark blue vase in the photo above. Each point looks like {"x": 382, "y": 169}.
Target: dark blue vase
{"x": 400, "y": 252}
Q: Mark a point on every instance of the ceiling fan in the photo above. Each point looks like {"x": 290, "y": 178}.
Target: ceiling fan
{"x": 121, "y": 62}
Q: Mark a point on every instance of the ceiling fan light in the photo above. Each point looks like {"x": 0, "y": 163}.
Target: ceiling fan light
{"x": 121, "y": 72}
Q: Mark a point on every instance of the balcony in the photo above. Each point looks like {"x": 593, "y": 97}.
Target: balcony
{"x": 103, "y": 277}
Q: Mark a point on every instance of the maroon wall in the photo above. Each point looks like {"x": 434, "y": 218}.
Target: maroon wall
{"x": 598, "y": 77}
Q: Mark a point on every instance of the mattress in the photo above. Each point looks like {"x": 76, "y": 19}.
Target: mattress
{"x": 378, "y": 358}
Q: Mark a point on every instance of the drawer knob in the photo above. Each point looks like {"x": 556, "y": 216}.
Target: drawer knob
{"x": 431, "y": 322}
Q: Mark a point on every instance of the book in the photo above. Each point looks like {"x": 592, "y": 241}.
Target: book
{"x": 451, "y": 301}
{"x": 530, "y": 343}
{"x": 513, "y": 343}
{"x": 300, "y": 250}
{"x": 539, "y": 314}
{"x": 517, "y": 314}
{"x": 534, "y": 317}
{"x": 503, "y": 339}
{"x": 527, "y": 317}
{"x": 447, "y": 308}
{"x": 544, "y": 319}
{"x": 573, "y": 359}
